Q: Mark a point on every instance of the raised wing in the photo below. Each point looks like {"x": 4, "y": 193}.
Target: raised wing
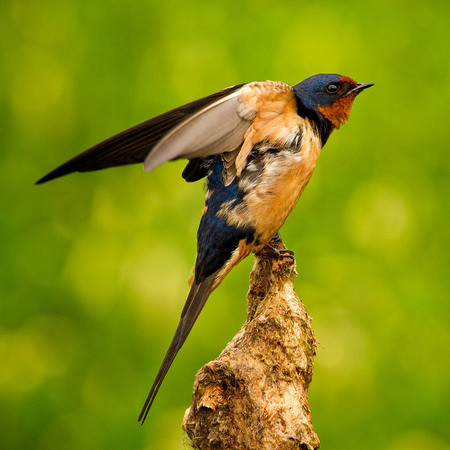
{"x": 258, "y": 112}
{"x": 134, "y": 144}
{"x": 230, "y": 122}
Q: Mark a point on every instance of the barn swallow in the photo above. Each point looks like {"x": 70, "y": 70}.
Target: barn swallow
{"x": 257, "y": 144}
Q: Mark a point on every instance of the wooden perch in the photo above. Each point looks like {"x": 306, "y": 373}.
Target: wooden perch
{"x": 255, "y": 394}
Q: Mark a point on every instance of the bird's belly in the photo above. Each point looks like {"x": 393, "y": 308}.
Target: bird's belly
{"x": 271, "y": 202}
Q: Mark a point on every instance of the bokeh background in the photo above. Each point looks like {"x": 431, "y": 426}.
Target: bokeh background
{"x": 94, "y": 267}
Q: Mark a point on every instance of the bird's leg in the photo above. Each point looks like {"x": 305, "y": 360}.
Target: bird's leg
{"x": 278, "y": 252}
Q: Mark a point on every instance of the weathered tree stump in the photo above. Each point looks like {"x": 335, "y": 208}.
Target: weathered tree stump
{"x": 255, "y": 394}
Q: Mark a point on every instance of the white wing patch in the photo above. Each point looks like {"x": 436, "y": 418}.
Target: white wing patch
{"x": 216, "y": 129}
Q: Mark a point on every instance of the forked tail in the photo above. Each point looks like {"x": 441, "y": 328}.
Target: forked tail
{"x": 195, "y": 301}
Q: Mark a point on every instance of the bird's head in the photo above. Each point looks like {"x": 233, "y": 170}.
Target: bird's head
{"x": 330, "y": 95}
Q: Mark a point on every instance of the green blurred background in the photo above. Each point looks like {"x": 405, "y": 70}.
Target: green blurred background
{"x": 94, "y": 267}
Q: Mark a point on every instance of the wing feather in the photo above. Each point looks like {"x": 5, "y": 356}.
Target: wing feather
{"x": 217, "y": 128}
{"x": 230, "y": 122}
{"x": 134, "y": 144}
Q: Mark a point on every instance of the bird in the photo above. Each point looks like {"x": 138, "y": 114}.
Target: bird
{"x": 257, "y": 145}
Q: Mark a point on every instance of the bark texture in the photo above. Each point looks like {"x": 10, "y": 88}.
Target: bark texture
{"x": 255, "y": 394}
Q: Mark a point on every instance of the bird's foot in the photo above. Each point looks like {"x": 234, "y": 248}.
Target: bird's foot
{"x": 279, "y": 252}
{"x": 277, "y": 238}
{"x": 271, "y": 250}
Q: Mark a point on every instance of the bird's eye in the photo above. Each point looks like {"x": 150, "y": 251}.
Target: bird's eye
{"x": 332, "y": 88}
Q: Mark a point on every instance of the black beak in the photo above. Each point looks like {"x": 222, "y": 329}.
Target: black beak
{"x": 359, "y": 87}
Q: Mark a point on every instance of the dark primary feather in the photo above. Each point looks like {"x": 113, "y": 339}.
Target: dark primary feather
{"x": 195, "y": 170}
{"x": 133, "y": 145}
{"x": 195, "y": 301}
